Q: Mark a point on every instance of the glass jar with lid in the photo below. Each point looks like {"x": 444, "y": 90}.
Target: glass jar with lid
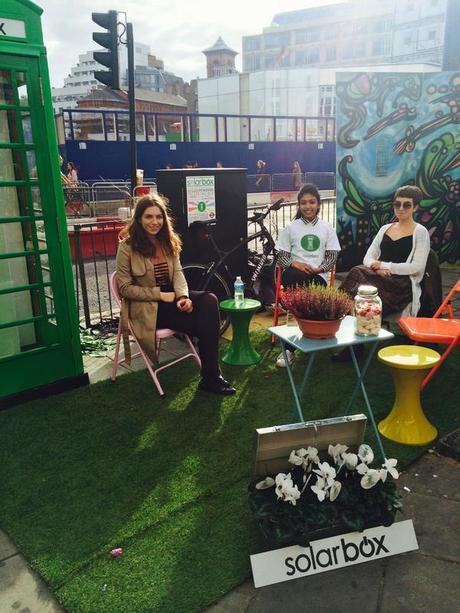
{"x": 368, "y": 311}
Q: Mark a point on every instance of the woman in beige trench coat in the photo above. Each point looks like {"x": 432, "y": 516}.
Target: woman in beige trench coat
{"x": 155, "y": 293}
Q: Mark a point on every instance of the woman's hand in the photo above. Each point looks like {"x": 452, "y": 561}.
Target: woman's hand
{"x": 375, "y": 265}
{"x": 167, "y": 296}
{"x": 308, "y": 269}
{"x": 383, "y": 272}
{"x": 185, "y": 304}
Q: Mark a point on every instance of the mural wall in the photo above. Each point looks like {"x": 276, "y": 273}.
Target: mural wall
{"x": 395, "y": 129}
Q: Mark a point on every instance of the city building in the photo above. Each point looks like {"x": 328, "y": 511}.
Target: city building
{"x": 149, "y": 74}
{"x": 220, "y": 59}
{"x": 371, "y": 32}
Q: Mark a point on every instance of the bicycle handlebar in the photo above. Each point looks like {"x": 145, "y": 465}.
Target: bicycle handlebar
{"x": 259, "y": 217}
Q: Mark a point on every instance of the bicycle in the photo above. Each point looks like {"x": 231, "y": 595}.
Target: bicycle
{"x": 216, "y": 277}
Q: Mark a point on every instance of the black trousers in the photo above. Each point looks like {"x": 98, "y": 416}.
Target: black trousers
{"x": 293, "y": 276}
{"x": 202, "y": 322}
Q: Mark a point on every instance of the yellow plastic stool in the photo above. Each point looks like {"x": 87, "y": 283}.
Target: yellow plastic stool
{"x": 407, "y": 423}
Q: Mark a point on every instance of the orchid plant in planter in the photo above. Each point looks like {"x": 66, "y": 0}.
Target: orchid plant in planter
{"x": 325, "y": 496}
{"x": 317, "y": 309}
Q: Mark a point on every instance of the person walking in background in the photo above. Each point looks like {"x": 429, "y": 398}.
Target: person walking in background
{"x": 72, "y": 175}
{"x": 263, "y": 180}
{"x": 296, "y": 175}
{"x": 155, "y": 292}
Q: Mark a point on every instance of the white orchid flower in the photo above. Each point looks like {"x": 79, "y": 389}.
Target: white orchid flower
{"x": 334, "y": 490}
{"x": 389, "y": 467}
{"x": 279, "y": 480}
{"x": 350, "y": 460}
{"x": 295, "y": 459}
{"x": 319, "y": 488}
{"x": 265, "y": 484}
{"x": 312, "y": 456}
{"x": 366, "y": 454}
{"x": 370, "y": 479}
{"x": 304, "y": 457}
{"x": 291, "y": 494}
{"x": 326, "y": 471}
{"x": 336, "y": 451}
{"x": 362, "y": 468}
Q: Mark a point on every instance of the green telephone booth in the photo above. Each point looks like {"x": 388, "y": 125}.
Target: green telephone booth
{"x": 39, "y": 342}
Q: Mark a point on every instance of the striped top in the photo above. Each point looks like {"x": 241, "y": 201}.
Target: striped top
{"x": 161, "y": 273}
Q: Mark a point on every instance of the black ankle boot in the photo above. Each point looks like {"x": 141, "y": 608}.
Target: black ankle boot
{"x": 216, "y": 385}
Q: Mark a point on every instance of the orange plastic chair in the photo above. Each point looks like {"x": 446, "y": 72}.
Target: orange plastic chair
{"x": 435, "y": 330}
{"x": 276, "y": 309}
{"x": 161, "y": 334}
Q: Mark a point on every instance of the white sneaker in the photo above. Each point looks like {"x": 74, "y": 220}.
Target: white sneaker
{"x": 280, "y": 362}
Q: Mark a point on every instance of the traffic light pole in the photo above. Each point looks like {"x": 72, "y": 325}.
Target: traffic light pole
{"x": 132, "y": 104}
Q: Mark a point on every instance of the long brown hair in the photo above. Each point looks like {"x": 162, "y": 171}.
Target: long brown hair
{"x": 170, "y": 241}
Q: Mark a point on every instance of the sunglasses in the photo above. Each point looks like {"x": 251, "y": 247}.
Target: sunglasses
{"x": 402, "y": 205}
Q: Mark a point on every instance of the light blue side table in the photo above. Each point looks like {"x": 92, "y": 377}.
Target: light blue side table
{"x": 345, "y": 337}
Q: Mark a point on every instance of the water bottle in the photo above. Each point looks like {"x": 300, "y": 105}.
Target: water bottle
{"x": 239, "y": 292}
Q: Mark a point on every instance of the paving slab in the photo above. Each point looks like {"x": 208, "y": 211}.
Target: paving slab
{"x": 433, "y": 475}
{"x": 22, "y": 591}
{"x": 436, "y": 523}
{"x": 421, "y": 583}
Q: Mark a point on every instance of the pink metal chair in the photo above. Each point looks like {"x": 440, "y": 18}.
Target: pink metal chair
{"x": 161, "y": 334}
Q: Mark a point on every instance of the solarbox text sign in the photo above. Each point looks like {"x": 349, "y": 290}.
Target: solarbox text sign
{"x": 335, "y": 552}
{"x": 201, "y": 198}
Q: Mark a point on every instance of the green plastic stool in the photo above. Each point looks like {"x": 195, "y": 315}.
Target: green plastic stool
{"x": 240, "y": 351}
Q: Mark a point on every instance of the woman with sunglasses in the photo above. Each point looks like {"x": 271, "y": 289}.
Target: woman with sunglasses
{"x": 396, "y": 260}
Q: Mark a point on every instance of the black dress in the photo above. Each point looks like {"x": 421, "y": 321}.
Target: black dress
{"x": 395, "y": 291}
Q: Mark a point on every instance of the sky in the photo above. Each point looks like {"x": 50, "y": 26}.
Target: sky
{"x": 176, "y": 30}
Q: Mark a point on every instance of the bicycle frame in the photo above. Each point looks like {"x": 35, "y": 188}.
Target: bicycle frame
{"x": 215, "y": 266}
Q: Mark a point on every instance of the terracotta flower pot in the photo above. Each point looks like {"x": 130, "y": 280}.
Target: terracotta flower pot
{"x": 324, "y": 328}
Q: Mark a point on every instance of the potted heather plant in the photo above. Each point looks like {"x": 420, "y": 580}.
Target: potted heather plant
{"x": 317, "y": 309}
{"x": 325, "y": 494}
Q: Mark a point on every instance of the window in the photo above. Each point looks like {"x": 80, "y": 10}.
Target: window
{"x": 432, "y": 35}
{"x": 380, "y": 47}
{"x": 251, "y": 44}
{"x": 277, "y": 39}
{"x": 312, "y": 56}
{"x": 331, "y": 54}
{"x": 252, "y": 63}
{"x": 328, "y": 33}
{"x": 408, "y": 40}
{"x": 354, "y": 50}
{"x": 382, "y": 25}
{"x": 307, "y": 36}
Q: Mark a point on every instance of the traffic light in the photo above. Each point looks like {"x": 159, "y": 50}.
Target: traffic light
{"x": 109, "y": 40}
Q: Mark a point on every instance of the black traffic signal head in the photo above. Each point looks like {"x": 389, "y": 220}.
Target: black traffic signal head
{"x": 109, "y": 40}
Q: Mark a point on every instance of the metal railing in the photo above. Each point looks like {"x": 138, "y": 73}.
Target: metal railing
{"x": 113, "y": 126}
{"x": 94, "y": 246}
{"x": 77, "y": 199}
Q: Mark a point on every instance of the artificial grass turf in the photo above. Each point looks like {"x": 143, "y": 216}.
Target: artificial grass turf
{"x": 114, "y": 465}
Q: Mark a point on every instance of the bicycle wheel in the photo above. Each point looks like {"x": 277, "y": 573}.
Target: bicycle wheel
{"x": 198, "y": 279}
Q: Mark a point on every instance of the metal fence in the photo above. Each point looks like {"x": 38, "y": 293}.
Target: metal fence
{"x": 288, "y": 182}
{"x": 94, "y": 246}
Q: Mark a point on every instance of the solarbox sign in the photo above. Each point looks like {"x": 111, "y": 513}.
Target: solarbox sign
{"x": 335, "y": 552}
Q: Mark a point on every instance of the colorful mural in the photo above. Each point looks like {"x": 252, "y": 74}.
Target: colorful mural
{"x": 396, "y": 129}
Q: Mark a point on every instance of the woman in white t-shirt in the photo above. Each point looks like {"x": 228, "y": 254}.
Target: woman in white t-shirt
{"x": 308, "y": 247}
